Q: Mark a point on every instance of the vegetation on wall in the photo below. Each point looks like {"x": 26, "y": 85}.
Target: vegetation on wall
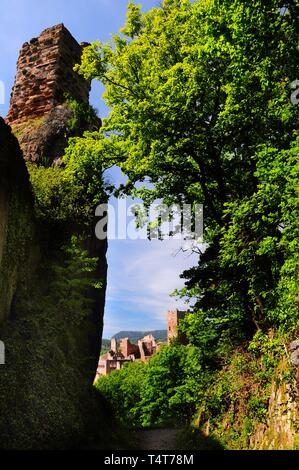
{"x": 52, "y": 293}
{"x": 68, "y": 193}
{"x": 83, "y": 115}
{"x": 36, "y": 338}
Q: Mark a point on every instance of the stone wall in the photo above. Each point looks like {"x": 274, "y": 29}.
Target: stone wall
{"x": 173, "y": 319}
{"x": 127, "y": 348}
{"x": 44, "y": 73}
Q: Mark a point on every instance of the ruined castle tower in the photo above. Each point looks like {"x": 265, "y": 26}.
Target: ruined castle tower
{"x": 173, "y": 319}
{"x": 44, "y": 73}
{"x": 113, "y": 345}
{"x": 38, "y": 113}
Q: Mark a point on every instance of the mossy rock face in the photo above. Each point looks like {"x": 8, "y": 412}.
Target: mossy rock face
{"x": 18, "y": 249}
{"x": 47, "y": 398}
{"x": 282, "y": 414}
{"x": 249, "y": 407}
{"x": 43, "y": 140}
{"x": 46, "y": 385}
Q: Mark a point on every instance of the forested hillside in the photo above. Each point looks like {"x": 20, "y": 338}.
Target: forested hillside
{"x": 159, "y": 335}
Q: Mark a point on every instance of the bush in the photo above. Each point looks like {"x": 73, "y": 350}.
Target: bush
{"x": 166, "y": 390}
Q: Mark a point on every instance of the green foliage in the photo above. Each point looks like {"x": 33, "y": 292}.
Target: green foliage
{"x": 176, "y": 385}
{"x": 134, "y": 21}
{"x": 258, "y": 407}
{"x": 261, "y": 238}
{"x": 270, "y": 350}
{"x": 55, "y": 196}
{"x": 70, "y": 281}
{"x": 68, "y": 193}
{"x": 83, "y": 115}
{"x": 163, "y": 391}
{"x": 84, "y": 169}
{"x": 200, "y": 104}
{"x": 235, "y": 402}
{"x": 123, "y": 390}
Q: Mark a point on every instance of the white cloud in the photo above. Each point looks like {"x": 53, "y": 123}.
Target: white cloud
{"x": 142, "y": 274}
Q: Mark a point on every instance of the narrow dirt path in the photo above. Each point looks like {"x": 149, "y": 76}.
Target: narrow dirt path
{"x": 157, "y": 439}
{"x": 174, "y": 439}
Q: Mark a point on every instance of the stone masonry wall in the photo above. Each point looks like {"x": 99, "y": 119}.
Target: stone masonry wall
{"x": 39, "y": 113}
{"x": 173, "y": 319}
{"x": 44, "y": 72}
{"x": 127, "y": 348}
{"x": 281, "y": 428}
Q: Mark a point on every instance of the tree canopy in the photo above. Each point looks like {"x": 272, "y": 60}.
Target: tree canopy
{"x": 200, "y": 104}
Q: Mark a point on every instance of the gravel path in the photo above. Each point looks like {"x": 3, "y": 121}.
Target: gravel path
{"x": 157, "y": 439}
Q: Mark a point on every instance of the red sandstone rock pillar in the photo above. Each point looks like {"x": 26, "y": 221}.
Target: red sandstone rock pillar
{"x": 45, "y": 73}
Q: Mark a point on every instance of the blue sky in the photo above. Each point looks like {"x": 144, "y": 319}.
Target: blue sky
{"x": 141, "y": 273}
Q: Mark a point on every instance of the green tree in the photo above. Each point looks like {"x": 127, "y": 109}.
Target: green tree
{"x": 199, "y": 93}
{"x": 200, "y": 104}
{"x": 122, "y": 389}
{"x": 165, "y": 390}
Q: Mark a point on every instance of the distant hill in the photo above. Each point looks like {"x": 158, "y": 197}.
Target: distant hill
{"x": 105, "y": 345}
{"x": 134, "y": 336}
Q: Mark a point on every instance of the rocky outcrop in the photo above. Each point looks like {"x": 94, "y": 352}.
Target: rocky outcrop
{"x": 52, "y": 340}
{"x": 44, "y": 73}
{"x": 252, "y": 403}
{"x": 294, "y": 350}
{"x": 43, "y": 140}
{"x": 39, "y": 113}
{"x": 279, "y": 433}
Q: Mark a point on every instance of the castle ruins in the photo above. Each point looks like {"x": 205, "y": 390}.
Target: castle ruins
{"x": 144, "y": 350}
